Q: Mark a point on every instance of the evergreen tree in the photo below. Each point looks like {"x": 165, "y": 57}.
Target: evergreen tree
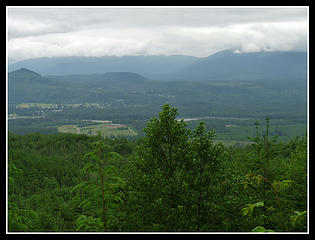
{"x": 170, "y": 176}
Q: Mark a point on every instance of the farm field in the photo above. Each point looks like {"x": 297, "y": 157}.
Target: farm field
{"x": 106, "y": 130}
{"x": 37, "y": 105}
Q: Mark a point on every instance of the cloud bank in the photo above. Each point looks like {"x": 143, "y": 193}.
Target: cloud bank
{"x": 48, "y": 32}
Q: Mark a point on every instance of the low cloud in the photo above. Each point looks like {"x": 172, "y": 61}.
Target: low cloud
{"x": 130, "y": 31}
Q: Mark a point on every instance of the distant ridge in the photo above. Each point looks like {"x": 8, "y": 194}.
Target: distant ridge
{"x": 25, "y": 85}
{"x": 112, "y": 78}
{"x": 229, "y": 65}
{"x": 144, "y": 65}
{"x": 123, "y": 75}
{"x": 223, "y": 65}
{"x": 26, "y": 73}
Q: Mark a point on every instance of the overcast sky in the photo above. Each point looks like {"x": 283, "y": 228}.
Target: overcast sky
{"x": 47, "y": 32}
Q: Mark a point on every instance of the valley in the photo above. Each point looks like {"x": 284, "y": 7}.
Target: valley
{"x": 229, "y": 106}
{"x": 89, "y": 119}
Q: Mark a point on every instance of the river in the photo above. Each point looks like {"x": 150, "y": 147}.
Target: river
{"x": 213, "y": 117}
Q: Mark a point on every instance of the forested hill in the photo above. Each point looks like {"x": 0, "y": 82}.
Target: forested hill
{"x": 229, "y": 65}
{"x": 24, "y": 73}
{"x": 112, "y": 78}
{"x": 25, "y": 85}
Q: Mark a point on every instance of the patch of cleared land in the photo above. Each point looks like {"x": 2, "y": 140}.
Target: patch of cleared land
{"x": 38, "y": 105}
{"x": 14, "y": 116}
{"x": 106, "y": 130}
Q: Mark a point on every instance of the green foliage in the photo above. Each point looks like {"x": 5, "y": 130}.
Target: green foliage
{"x": 88, "y": 224}
{"x": 156, "y": 173}
{"x": 274, "y": 192}
{"x": 176, "y": 178}
{"x": 261, "y": 229}
{"x": 21, "y": 220}
{"x": 297, "y": 219}
{"x": 249, "y": 208}
{"x": 282, "y": 185}
{"x": 171, "y": 175}
{"x": 45, "y": 185}
{"x": 101, "y": 164}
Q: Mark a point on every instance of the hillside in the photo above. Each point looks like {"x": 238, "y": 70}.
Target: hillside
{"x": 28, "y": 86}
{"x": 144, "y": 65}
{"x": 24, "y": 73}
{"x": 112, "y": 78}
{"x": 228, "y": 65}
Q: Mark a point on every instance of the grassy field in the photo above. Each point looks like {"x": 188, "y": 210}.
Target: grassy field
{"x": 38, "y": 105}
{"x": 106, "y": 130}
{"x": 67, "y": 129}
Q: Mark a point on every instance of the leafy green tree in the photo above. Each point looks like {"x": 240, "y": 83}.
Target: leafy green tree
{"x": 170, "y": 176}
{"x": 203, "y": 176}
{"x": 156, "y": 178}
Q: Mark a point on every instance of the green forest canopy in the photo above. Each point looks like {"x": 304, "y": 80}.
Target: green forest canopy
{"x": 172, "y": 179}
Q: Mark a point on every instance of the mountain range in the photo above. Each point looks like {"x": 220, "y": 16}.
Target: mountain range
{"x": 224, "y": 65}
{"x": 228, "y": 65}
{"x": 144, "y": 65}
